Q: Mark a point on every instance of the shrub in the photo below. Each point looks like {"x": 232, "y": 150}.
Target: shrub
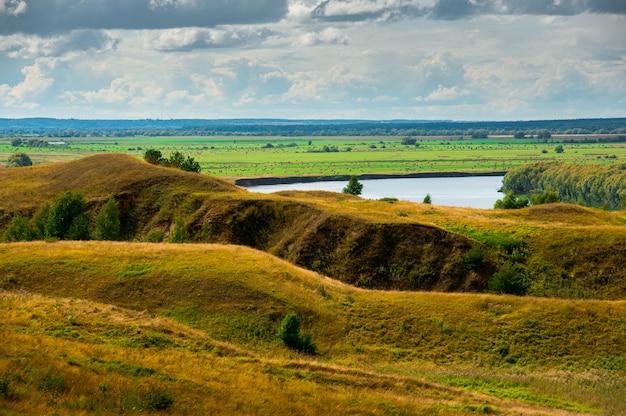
{"x": 107, "y": 224}
{"x": 474, "y": 258}
{"x": 546, "y": 197}
{"x": 289, "y": 333}
{"x": 511, "y": 279}
{"x": 154, "y": 236}
{"x": 428, "y": 199}
{"x": 20, "y": 229}
{"x": 67, "y": 218}
{"x": 511, "y": 201}
{"x": 18, "y": 160}
{"x": 179, "y": 235}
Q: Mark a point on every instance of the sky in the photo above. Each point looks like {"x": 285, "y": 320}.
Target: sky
{"x": 313, "y": 59}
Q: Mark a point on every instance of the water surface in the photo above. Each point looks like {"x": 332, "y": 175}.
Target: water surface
{"x": 468, "y": 191}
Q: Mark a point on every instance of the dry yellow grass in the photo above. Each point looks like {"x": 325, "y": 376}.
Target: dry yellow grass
{"x": 201, "y": 322}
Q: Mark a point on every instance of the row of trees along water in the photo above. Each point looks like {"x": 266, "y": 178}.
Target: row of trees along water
{"x": 591, "y": 185}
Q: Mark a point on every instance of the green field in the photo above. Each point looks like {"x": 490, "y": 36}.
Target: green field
{"x": 299, "y": 156}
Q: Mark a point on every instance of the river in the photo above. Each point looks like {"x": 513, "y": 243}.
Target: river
{"x": 467, "y": 191}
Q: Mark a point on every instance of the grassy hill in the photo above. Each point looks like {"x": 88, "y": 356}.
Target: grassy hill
{"x": 121, "y": 327}
{"x": 131, "y": 327}
{"x": 559, "y": 250}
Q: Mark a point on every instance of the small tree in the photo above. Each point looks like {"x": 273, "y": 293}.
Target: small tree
{"x": 20, "y": 229}
{"x": 16, "y": 141}
{"x": 107, "y": 223}
{"x": 547, "y": 197}
{"x": 289, "y": 333}
{"x": 354, "y": 187}
{"x": 427, "y": 199}
{"x": 18, "y": 160}
{"x": 153, "y": 156}
{"x": 511, "y": 201}
{"x": 559, "y": 149}
{"x": 176, "y": 159}
{"x": 67, "y": 218}
{"x": 190, "y": 165}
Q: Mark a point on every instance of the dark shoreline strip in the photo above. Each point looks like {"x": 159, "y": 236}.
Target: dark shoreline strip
{"x": 248, "y": 182}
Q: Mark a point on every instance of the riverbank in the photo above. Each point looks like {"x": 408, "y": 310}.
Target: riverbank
{"x": 248, "y": 182}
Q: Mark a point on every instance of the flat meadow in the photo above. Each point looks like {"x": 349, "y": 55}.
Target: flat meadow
{"x": 237, "y": 157}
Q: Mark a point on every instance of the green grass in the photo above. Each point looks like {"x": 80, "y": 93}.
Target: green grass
{"x": 245, "y": 157}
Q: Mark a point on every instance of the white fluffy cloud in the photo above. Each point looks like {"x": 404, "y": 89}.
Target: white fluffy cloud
{"x": 448, "y": 59}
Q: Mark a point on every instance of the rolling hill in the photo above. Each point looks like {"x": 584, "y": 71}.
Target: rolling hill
{"x": 130, "y": 327}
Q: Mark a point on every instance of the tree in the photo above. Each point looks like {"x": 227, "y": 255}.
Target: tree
{"x": 511, "y": 201}
{"x": 559, "y": 149}
{"x": 16, "y": 142}
{"x": 190, "y": 165}
{"x": 107, "y": 222}
{"x": 547, "y": 197}
{"x": 409, "y": 141}
{"x": 20, "y": 229}
{"x": 519, "y": 135}
{"x": 67, "y": 218}
{"x": 176, "y": 159}
{"x": 427, "y": 199}
{"x": 289, "y": 333}
{"x": 18, "y": 160}
{"x": 153, "y": 156}
{"x": 354, "y": 187}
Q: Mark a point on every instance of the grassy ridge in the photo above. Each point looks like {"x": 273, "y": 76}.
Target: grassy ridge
{"x": 380, "y": 352}
{"x": 564, "y": 250}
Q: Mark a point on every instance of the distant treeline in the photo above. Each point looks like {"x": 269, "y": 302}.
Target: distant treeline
{"x": 590, "y": 185}
{"x": 64, "y": 128}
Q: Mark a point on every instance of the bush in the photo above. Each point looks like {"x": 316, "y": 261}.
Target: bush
{"x": 428, "y": 199}
{"x": 289, "y": 333}
{"x": 20, "y": 229}
{"x": 511, "y": 279}
{"x": 474, "y": 258}
{"x": 18, "y": 160}
{"x": 547, "y": 197}
{"x": 511, "y": 201}
{"x": 179, "y": 235}
{"x": 154, "y": 236}
{"x": 67, "y": 218}
{"x": 107, "y": 224}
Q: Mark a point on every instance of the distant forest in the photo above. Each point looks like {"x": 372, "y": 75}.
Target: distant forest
{"x": 66, "y": 128}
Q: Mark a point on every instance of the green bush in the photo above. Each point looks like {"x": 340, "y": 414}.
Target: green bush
{"x": 474, "y": 258}
{"x": 20, "y": 229}
{"x": 289, "y": 333}
{"x": 107, "y": 223}
{"x": 179, "y": 235}
{"x": 67, "y": 218}
{"x": 511, "y": 201}
{"x": 18, "y": 160}
{"x": 154, "y": 236}
{"x": 511, "y": 279}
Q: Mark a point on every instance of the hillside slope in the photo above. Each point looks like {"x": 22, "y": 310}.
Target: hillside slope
{"x": 559, "y": 250}
{"x": 91, "y": 328}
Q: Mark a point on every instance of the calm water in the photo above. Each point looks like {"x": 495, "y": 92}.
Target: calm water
{"x": 470, "y": 191}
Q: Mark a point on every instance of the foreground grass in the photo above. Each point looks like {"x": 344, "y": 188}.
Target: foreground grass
{"x": 108, "y": 327}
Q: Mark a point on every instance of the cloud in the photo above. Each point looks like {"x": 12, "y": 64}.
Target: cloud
{"x": 185, "y": 39}
{"x": 328, "y": 36}
{"x": 31, "y": 47}
{"x": 444, "y": 94}
{"x": 35, "y": 82}
{"x": 363, "y": 10}
{"x": 54, "y": 16}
